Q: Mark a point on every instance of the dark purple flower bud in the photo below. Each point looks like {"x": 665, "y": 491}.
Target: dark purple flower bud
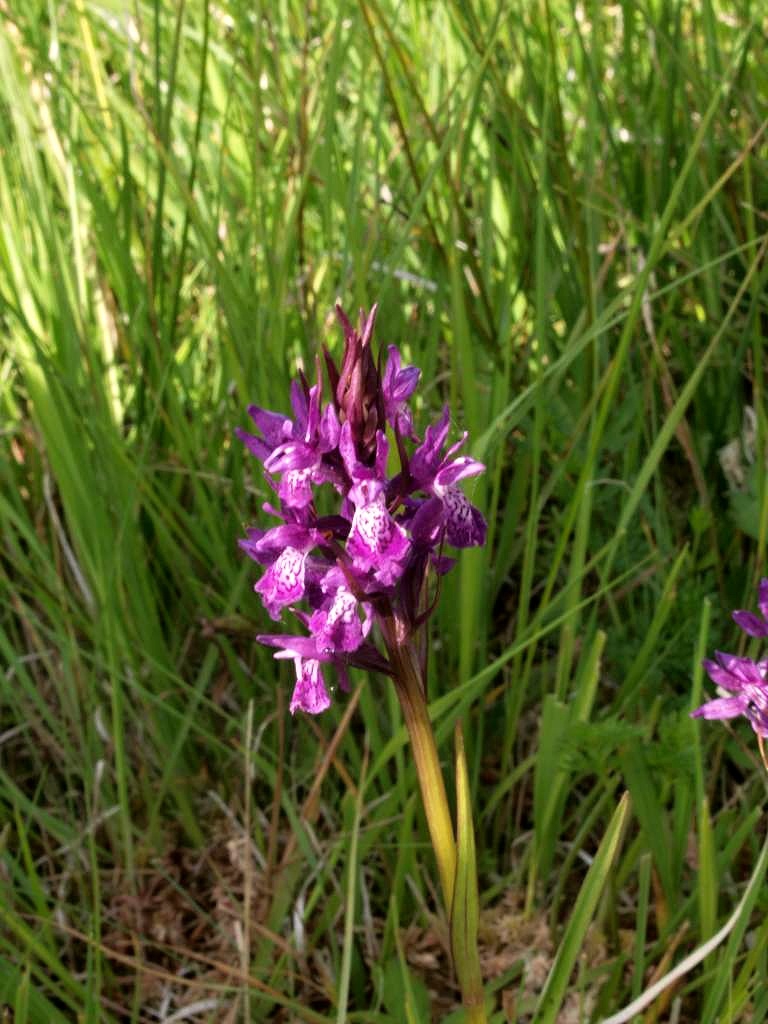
{"x": 359, "y": 397}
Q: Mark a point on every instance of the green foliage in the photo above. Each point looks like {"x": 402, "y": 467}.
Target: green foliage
{"x": 558, "y": 208}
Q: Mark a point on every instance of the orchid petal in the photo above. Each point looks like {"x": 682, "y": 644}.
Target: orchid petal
{"x": 310, "y": 693}
{"x": 751, "y": 623}
{"x": 722, "y": 707}
{"x": 283, "y": 582}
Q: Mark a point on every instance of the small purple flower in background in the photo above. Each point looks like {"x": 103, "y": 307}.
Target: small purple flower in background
{"x": 744, "y": 680}
{"x": 367, "y": 562}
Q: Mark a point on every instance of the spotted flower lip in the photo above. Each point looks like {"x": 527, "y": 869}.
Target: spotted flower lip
{"x": 378, "y": 545}
{"x": 336, "y": 624}
{"x": 310, "y": 693}
{"x": 284, "y": 582}
{"x": 367, "y": 561}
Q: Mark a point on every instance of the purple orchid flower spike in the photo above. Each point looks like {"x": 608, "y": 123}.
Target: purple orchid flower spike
{"x": 357, "y": 578}
{"x": 367, "y": 563}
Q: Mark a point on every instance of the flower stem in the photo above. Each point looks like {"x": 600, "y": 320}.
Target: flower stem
{"x": 457, "y": 886}
{"x": 410, "y": 692}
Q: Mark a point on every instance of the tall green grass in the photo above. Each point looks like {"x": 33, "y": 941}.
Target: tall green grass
{"x": 561, "y": 211}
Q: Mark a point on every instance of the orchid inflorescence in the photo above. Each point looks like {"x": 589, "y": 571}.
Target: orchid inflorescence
{"x": 368, "y": 561}
{"x": 745, "y": 680}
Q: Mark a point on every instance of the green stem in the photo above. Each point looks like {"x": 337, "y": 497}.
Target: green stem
{"x": 465, "y": 913}
{"x": 456, "y": 866}
{"x": 476, "y": 1013}
{"x": 410, "y": 692}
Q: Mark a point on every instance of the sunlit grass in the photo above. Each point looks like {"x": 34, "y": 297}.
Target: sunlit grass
{"x": 561, "y": 212}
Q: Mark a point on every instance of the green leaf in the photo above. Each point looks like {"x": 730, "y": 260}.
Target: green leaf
{"x": 465, "y": 912}
{"x": 556, "y": 985}
{"x": 405, "y": 996}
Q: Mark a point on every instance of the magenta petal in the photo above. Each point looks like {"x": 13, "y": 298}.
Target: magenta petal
{"x": 291, "y": 455}
{"x": 455, "y": 447}
{"x": 275, "y": 427}
{"x": 741, "y": 670}
{"x": 252, "y": 549}
{"x": 283, "y": 582}
{"x": 750, "y": 623}
{"x": 288, "y": 535}
{"x": 313, "y": 415}
{"x": 406, "y": 383}
{"x": 309, "y": 693}
{"x": 457, "y": 470}
{"x": 427, "y": 523}
{"x": 300, "y": 407}
{"x": 404, "y": 423}
{"x": 255, "y": 445}
{"x": 347, "y": 449}
{"x": 720, "y": 676}
{"x": 397, "y": 386}
{"x": 427, "y": 457}
{"x": 329, "y": 429}
{"x": 290, "y": 646}
{"x": 722, "y": 707}
{"x": 372, "y": 529}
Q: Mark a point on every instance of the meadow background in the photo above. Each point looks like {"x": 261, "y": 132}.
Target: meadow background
{"x": 561, "y": 210}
